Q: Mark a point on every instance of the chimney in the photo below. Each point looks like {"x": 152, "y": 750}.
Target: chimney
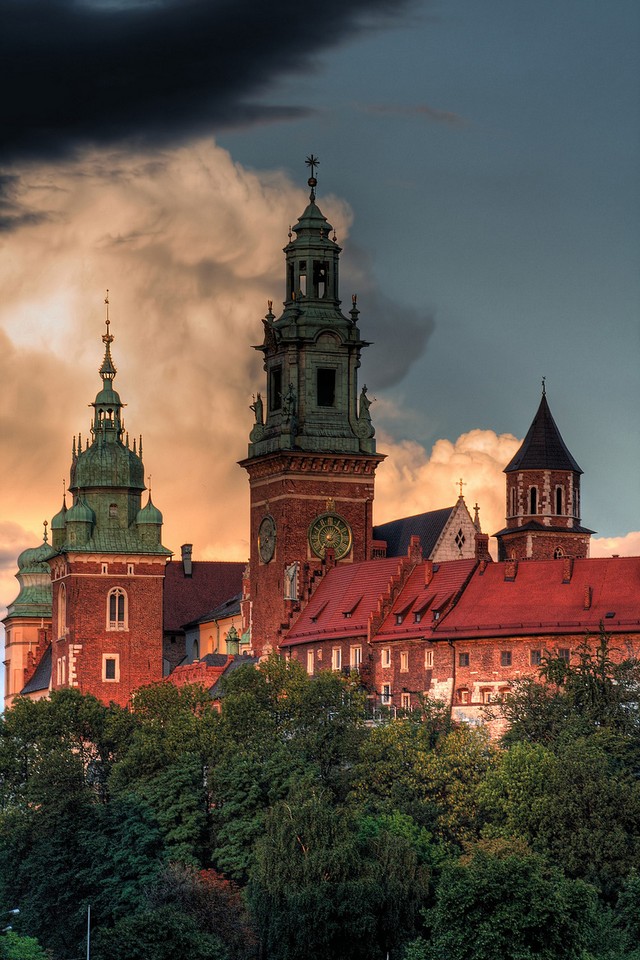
{"x": 186, "y": 558}
{"x": 567, "y": 569}
{"x": 482, "y": 546}
{"x": 428, "y": 572}
{"x": 510, "y": 569}
{"x": 414, "y": 553}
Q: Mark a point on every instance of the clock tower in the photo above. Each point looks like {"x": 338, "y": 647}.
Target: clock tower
{"x": 312, "y": 454}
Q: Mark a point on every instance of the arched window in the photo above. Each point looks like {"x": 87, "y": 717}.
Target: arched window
{"x": 62, "y": 610}
{"x": 533, "y": 500}
{"x": 557, "y": 553}
{"x": 117, "y": 612}
{"x": 559, "y": 503}
{"x": 512, "y": 502}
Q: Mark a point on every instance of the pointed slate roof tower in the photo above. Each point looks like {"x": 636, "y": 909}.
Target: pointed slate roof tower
{"x": 543, "y": 496}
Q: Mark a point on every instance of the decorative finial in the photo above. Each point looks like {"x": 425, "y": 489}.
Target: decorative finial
{"x": 354, "y": 312}
{"x": 462, "y": 484}
{"x": 290, "y": 233}
{"x": 107, "y": 338}
{"x": 149, "y": 485}
{"x": 476, "y": 518}
{"x": 312, "y": 162}
{"x": 544, "y": 387}
{"x": 46, "y": 524}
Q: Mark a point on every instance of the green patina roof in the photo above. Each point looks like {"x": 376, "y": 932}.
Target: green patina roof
{"x": 34, "y": 577}
{"x": 116, "y": 541}
{"x": 149, "y": 514}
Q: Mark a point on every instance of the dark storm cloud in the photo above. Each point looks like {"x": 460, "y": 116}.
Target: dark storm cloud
{"x": 12, "y": 214}
{"x": 78, "y": 73}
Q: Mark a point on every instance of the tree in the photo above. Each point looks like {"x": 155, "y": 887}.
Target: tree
{"x": 503, "y": 902}
{"x": 156, "y": 934}
{"x": 14, "y": 947}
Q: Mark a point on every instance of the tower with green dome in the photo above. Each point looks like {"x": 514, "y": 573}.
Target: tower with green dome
{"x": 312, "y": 451}
{"x": 28, "y": 619}
{"x": 107, "y": 559}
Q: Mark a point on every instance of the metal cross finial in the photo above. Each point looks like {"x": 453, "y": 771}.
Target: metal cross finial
{"x": 46, "y": 524}
{"x": 462, "y": 483}
{"x": 312, "y": 162}
{"x": 544, "y": 386}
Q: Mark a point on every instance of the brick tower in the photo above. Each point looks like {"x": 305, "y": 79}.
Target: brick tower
{"x": 312, "y": 454}
{"x": 107, "y": 563}
{"x": 543, "y": 497}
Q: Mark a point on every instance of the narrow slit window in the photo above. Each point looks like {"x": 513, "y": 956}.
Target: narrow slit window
{"x": 559, "y": 510}
{"x": 533, "y": 500}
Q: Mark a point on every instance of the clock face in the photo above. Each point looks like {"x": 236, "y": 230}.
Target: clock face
{"x": 330, "y": 530}
{"x": 267, "y": 539}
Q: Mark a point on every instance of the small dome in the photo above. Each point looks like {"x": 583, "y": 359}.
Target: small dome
{"x": 33, "y": 559}
{"x": 107, "y": 465}
{"x": 108, "y": 397}
{"x": 59, "y": 520}
{"x": 149, "y": 514}
{"x": 81, "y": 512}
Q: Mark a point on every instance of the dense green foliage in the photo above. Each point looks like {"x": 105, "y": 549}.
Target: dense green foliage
{"x": 286, "y": 826}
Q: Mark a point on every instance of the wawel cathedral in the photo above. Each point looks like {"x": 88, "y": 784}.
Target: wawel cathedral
{"x": 413, "y": 607}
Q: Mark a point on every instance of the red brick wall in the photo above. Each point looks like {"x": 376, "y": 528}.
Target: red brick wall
{"x": 294, "y": 489}
{"x": 87, "y": 638}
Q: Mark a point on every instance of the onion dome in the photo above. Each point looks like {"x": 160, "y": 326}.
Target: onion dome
{"x": 81, "y": 512}
{"x": 60, "y": 518}
{"x": 149, "y": 514}
{"x": 34, "y": 559}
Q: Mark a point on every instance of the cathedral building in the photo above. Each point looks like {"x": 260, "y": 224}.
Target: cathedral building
{"x": 414, "y": 607}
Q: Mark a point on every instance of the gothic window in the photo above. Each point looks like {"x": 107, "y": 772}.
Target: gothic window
{"x": 275, "y": 389}
{"x": 62, "y": 610}
{"x": 117, "y": 612}
{"x": 110, "y": 667}
{"x": 533, "y": 500}
{"x": 559, "y": 498}
{"x": 326, "y": 387}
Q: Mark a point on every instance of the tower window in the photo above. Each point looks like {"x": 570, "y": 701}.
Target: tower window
{"x": 326, "y": 384}
{"x": 113, "y": 510}
{"x": 62, "y": 610}
{"x": 275, "y": 398}
{"x": 320, "y": 273}
{"x": 512, "y": 502}
{"x": 117, "y": 610}
{"x": 111, "y": 667}
{"x": 533, "y": 500}
{"x": 559, "y": 510}
{"x": 302, "y": 278}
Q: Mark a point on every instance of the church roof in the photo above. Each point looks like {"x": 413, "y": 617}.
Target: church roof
{"x": 343, "y": 602}
{"x": 428, "y": 526}
{"x": 420, "y": 605}
{"x": 42, "y": 675}
{"x": 187, "y": 598}
{"x": 228, "y": 608}
{"x": 543, "y": 447}
{"x": 547, "y": 596}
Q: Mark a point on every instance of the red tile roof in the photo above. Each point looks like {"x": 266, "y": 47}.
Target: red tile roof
{"x": 548, "y": 596}
{"x": 343, "y": 601}
{"x": 418, "y": 597}
{"x": 188, "y": 598}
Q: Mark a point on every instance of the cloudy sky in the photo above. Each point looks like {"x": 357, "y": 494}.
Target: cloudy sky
{"x": 478, "y": 160}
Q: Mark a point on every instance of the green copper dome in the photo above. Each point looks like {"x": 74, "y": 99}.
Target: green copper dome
{"x": 34, "y": 578}
{"x": 149, "y": 514}
{"x": 107, "y": 464}
{"x": 81, "y": 512}
{"x": 58, "y": 521}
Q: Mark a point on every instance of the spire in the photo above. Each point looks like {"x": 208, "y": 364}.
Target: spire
{"x": 543, "y": 447}
{"x": 312, "y": 162}
{"x": 107, "y": 370}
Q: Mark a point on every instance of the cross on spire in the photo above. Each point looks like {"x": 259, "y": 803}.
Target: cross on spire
{"x": 462, "y": 483}
{"x": 312, "y": 162}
